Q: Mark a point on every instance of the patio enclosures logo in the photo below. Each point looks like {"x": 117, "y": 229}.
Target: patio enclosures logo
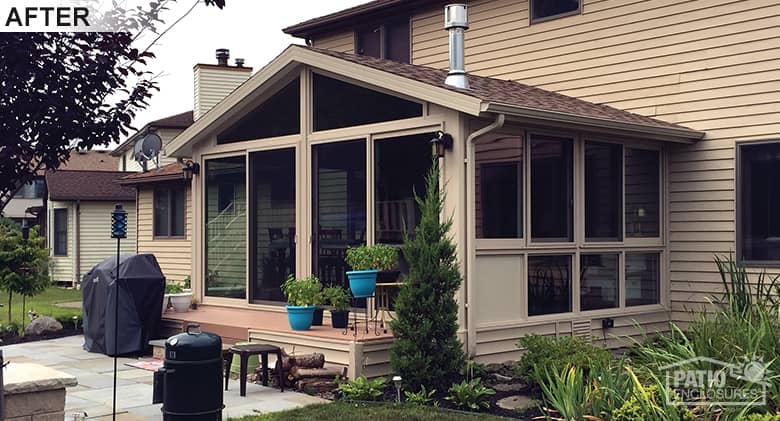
{"x": 59, "y": 16}
{"x": 707, "y": 381}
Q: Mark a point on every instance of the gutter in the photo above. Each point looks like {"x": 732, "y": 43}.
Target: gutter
{"x": 77, "y": 236}
{"x": 669, "y": 134}
{"x": 471, "y": 328}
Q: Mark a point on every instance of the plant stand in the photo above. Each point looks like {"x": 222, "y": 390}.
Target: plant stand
{"x": 353, "y": 326}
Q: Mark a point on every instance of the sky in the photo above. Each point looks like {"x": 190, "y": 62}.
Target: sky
{"x": 250, "y": 29}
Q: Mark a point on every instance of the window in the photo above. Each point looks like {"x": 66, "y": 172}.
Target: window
{"x": 552, "y": 196}
{"x": 389, "y": 40}
{"x": 400, "y": 166}
{"x": 498, "y": 189}
{"x": 598, "y": 281}
{"x": 642, "y": 279}
{"x": 60, "y": 232}
{"x": 549, "y": 285}
{"x": 278, "y": 116}
{"x": 542, "y": 10}
{"x": 759, "y": 201}
{"x": 643, "y": 193}
{"x": 169, "y": 211}
{"x": 226, "y": 233}
{"x": 603, "y": 191}
{"x": 31, "y": 190}
{"x": 340, "y": 104}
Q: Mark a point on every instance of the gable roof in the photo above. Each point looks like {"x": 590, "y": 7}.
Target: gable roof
{"x": 176, "y": 121}
{"x": 94, "y": 160}
{"x": 88, "y": 185}
{"x": 485, "y": 96}
{"x": 170, "y": 172}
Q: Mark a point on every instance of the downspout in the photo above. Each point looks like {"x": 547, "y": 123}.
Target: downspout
{"x": 471, "y": 256}
{"x": 77, "y": 239}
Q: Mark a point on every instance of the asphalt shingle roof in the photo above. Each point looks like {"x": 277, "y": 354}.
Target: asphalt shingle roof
{"x": 88, "y": 185}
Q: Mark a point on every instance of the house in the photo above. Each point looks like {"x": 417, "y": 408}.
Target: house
{"x": 601, "y": 153}
{"x": 80, "y": 196}
{"x": 27, "y": 202}
{"x": 162, "y": 199}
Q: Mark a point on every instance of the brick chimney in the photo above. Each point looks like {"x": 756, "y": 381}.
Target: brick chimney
{"x": 213, "y": 82}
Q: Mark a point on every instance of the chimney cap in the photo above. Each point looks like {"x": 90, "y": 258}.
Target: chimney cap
{"x": 223, "y": 54}
{"x": 456, "y": 16}
{"x": 240, "y": 62}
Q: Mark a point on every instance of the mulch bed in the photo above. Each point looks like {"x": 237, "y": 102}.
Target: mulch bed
{"x": 17, "y": 339}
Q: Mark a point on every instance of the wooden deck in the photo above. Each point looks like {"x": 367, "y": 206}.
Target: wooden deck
{"x": 364, "y": 353}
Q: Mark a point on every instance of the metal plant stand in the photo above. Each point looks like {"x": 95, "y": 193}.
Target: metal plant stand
{"x": 353, "y": 326}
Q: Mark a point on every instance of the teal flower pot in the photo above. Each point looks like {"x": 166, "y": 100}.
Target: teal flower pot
{"x": 300, "y": 317}
{"x": 362, "y": 282}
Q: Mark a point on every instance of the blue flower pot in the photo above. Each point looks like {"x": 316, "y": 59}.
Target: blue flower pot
{"x": 362, "y": 282}
{"x": 300, "y": 317}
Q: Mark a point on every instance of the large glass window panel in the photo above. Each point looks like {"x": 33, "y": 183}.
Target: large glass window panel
{"x": 340, "y": 104}
{"x": 642, "y": 278}
{"x": 400, "y": 166}
{"x": 603, "y": 191}
{"x": 552, "y": 194}
{"x": 273, "y": 189}
{"x": 643, "y": 193}
{"x": 498, "y": 188}
{"x": 169, "y": 211}
{"x": 280, "y": 115}
{"x": 759, "y": 184}
{"x": 598, "y": 281}
{"x": 340, "y": 207}
{"x": 397, "y": 40}
{"x": 226, "y": 232}
{"x": 549, "y": 285}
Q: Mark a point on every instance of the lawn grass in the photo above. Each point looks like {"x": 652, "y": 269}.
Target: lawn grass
{"x": 43, "y": 304}
{"x": 342, "y": 411}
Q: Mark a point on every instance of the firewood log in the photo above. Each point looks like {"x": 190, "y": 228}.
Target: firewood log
{"x": 315, "y": 360}
{"x": 328, "y": 373}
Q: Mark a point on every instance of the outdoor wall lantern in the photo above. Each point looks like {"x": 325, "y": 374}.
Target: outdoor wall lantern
{"x": 190, "y": 168}
{"x": 441, "y": 143}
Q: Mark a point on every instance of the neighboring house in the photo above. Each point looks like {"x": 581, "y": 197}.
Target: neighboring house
{"x": 27, "y": 203}
{"x": 163, "y": 200}
{"x": 80, "y": 198}
{"x": 604, "y": 152}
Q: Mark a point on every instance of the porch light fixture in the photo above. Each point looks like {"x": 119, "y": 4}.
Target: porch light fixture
{"x": 190, "y": 168}
{"x": 442, "y": 142}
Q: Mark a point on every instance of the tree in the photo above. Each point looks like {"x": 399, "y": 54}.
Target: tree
{"x": 426, "y": 351}
{"x": 64, "y": 91}
{"x": 24, "y": 265}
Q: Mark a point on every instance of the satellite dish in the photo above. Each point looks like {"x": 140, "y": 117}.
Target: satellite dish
{"x": 147, "y": 149}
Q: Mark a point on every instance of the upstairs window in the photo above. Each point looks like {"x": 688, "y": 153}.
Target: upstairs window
{"x": 388, "y": 40}
{"x": 759, "y": 199}
{"x": 169, "y": 212}
{"x": 542, "y": 10}
{"x": 31, "y": 190}
{"x": 280, "y": 115}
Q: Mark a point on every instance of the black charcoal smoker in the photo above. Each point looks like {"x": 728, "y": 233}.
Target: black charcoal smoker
{"x": 189, "y": 385}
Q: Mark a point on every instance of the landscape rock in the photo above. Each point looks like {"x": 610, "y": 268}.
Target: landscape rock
{"x": 510, "y": 387}
{"x": 41, "y": 325}
{"x": 514, "y": 402}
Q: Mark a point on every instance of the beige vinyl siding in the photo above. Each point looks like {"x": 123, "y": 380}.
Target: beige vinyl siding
{"x": 709, "y": 65}
{"x": 166, "y": 135}
{"x": 61, "y": 266}
{"x": 343, "y": 41}
{"x": 174, "y": 255}
{"x": 213, "y": 84}
{"x": 95, "y": 230}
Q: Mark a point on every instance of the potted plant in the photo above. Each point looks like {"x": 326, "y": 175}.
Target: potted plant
{"x": 180, "y": 299}
{"x": 338, "y": 299}
{"x": 303, "y": 295}
{"x": 366, "y": 262}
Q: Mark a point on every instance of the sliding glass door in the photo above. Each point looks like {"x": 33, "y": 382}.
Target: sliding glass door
{"x": 272, "y": 186}
{"x": 339, "y": 199}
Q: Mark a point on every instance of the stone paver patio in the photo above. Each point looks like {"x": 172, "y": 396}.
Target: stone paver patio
{"x": 134, "y": 386}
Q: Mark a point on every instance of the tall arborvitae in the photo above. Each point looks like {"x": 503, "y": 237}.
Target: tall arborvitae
{"x": 426, "y": 350}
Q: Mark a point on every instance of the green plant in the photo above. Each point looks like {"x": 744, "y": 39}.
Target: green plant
{"x": 363, "y": 389}
{"x": 70, "y": 321}
{"x": 422, "y": 397}
{"x": 472, "y": 395}
{"x": 303, "y": 292}
{"x": 173, "y": 288}
{"x": 742, "y": 296}
{"x": 568, "y": 391}
{"x": 553, "y": 354}
{"x": 474, "y": 370}
{"x": 762, "y": 417}
{"x": 337, "y": 297}
{"x": 187, "y": 282}
{"x": 376, "y": 257}
{"x": 24, "y": 265}
{"x": 10, "y": 329}
{"x": 426, "y": 350}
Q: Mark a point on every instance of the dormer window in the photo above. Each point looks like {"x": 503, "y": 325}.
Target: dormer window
{"x": 388, "y": 40}
{"x": 542, "y": 10}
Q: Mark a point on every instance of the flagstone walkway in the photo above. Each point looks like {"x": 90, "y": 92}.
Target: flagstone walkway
{"x": 93, "y": 394}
